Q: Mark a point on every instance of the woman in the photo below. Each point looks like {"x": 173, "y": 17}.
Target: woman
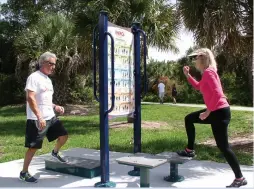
{"x": 174, "y": 93}
{"x": 217, "y": 112}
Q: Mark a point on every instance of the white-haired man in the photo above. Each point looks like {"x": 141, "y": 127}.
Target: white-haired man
{"x": 41, "y": 119}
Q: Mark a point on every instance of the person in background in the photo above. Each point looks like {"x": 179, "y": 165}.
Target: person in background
{"x": 41, "y": 118}
{"x": 174, "y": 93}
{"x": 217, "y": 112}
{"x": 161, "y": 89}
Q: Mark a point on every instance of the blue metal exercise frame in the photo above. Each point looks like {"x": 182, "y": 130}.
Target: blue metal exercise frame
{"x": 102, "y": 28}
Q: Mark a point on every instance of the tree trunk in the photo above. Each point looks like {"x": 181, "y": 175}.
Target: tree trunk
{"x": 251, "y": 75}
{"x": 60, "y": 91}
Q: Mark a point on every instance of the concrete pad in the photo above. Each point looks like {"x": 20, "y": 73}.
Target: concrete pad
{"x": 198, "y": 174}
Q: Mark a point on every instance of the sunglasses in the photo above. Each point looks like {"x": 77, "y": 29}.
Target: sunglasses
{"x": 51, "y": 63}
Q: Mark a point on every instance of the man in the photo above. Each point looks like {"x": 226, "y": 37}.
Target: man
{"x": 41, "y": 119}
{"x": 161, "y": 89}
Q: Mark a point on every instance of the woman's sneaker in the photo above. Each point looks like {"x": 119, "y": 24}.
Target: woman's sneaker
{"x": 186, "y": 153}
{"x": 237, "y": 183}
{"x": 27, "y": 177}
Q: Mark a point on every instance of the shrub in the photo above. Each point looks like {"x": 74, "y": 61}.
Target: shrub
{"x": 11, "y": 92}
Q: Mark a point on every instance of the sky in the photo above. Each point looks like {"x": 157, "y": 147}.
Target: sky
{"x": 184, "y": 41}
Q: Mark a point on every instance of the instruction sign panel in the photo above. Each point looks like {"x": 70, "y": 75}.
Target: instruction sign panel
{"x": 124, "y": 78}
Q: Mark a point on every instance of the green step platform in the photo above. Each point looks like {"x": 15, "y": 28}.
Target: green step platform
{"x": 76, "y": 166}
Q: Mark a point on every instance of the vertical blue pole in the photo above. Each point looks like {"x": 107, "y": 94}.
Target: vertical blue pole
{"x": 103, "y": 71}
{"x": 103, "y": 88}
{"x": 137, "y": 113}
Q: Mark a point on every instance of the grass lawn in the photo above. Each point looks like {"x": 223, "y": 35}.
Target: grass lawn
{"x": 84, "y": 133}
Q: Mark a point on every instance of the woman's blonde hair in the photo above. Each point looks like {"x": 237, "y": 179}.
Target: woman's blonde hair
{"x": 208, "y": 57}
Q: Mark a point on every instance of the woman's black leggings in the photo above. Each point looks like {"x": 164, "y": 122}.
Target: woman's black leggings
{"x": 219, "y": 121}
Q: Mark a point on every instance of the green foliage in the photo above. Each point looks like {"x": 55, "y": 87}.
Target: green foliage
{"x": 11, "y": 92}
{"x": 224, "y": 26}
{"x": 189, "y": 95}
{"x": 217, "y": 22}
{"x": 80, "y": 90}
{"x": 157, "y": 18}
{"x": 65, "y": 28}
{"x": 54, "y": 32}
{"x": 29, "y": 28}
{"x": 234, "y": 80}
{"x": 236, "y": 90}
{"x": 81, "y": 95}
{"x": 150, "y": 97}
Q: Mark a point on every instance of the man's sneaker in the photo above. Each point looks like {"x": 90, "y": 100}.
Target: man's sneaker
{"x": 57, "y": 157}
{"x": 237, "y": 183}
{"x": 186, "y": 153}
{"x": 27, "y": 177}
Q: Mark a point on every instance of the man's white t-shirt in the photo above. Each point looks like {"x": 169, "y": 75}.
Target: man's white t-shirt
{"x": 42, "y": 86}
{"x": 161, "y": 87}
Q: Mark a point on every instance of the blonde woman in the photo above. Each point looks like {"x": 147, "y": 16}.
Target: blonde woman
{"x": 217, "y": 112}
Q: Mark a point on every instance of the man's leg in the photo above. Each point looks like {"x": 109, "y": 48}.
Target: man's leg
{"x": 57, "y": 131}
{"x": 174, "y": 100}
{"x": 28, "y": 158}
{"x": 162, "y": 97}
{"x": 24, "y": 174}
{"x": 33, "y": 141}
{"x": 60, "y": 142}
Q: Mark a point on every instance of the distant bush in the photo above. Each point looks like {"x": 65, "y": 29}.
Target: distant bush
{"x": 81, "y": 95}
{"x": 150, "y": 97}
{"x": 11, "y": 92}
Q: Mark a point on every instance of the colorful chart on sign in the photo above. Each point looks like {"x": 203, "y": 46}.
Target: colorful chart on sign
{"x": 124, "y": 78}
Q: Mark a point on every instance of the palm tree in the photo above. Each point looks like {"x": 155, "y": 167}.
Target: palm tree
{"x": 158, "y": 19}
{"x": 222, "y": 25}
{"x": 53, "y": 33}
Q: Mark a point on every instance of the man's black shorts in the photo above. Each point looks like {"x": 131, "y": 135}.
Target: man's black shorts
{"x": 34, "y": 137}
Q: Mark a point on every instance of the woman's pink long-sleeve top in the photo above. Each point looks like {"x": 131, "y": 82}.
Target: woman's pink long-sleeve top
{"x": 211, "y": 89}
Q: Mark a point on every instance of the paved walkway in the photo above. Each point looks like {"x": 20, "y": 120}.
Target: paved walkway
{"x": 240, "y": 108}
{"x": 198, "y": 174}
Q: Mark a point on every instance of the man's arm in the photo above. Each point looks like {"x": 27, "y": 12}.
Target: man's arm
{"x": 30, "y": 97}
{"x": 58, "y": 108}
